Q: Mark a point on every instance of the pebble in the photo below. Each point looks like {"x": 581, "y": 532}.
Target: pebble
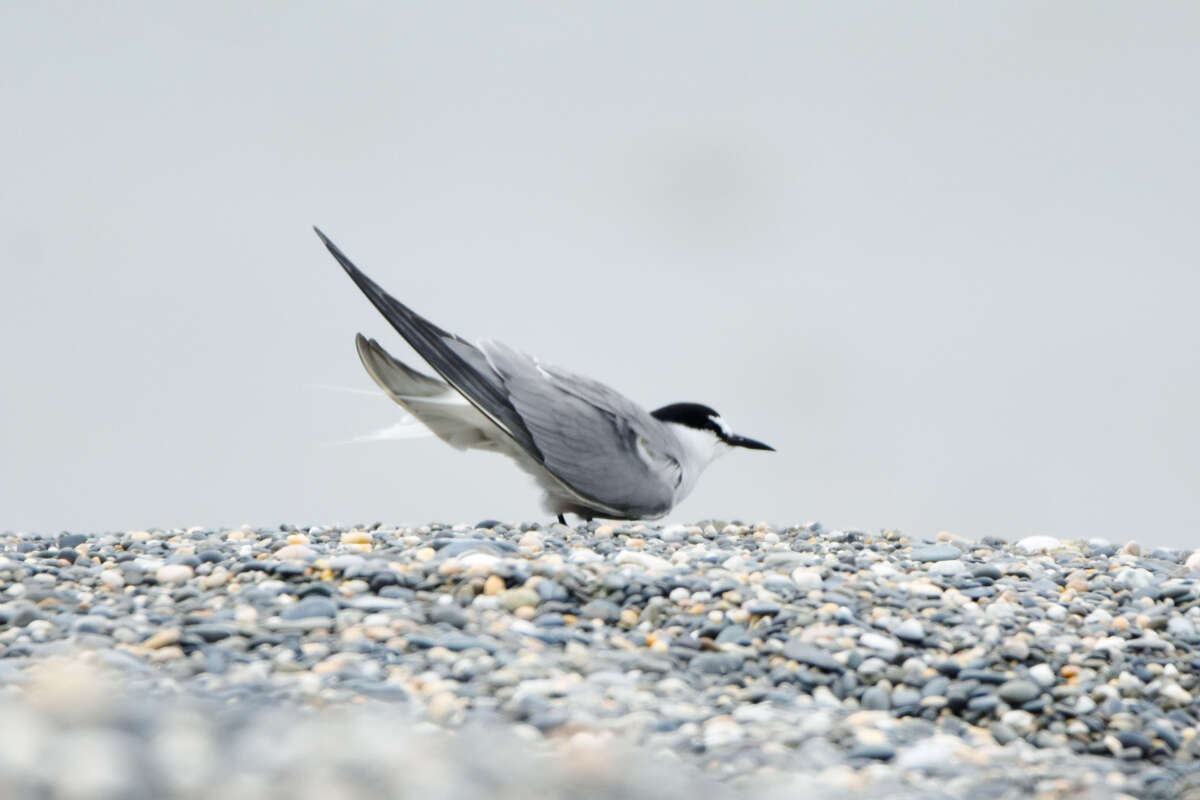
{"x": 910, "y": 630}
{"x": 734, "y": 658}
{"x": 295, "y": 552}
{"x": 174, "y": 573}
{"x": 806, "y": 579}
{"x": 808, "y": 654}
{"x": 112, "y": 578}
{"x": 1043, "y": 675}
{"x": 311, "y": 607}
{"x": 938, "y": 552}
{"x": 1018, "y": 692}
{"x": 512, "y": 599}
{"x": 1038, "y": 544}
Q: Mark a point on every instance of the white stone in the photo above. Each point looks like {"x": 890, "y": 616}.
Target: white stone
{"x": 1000, "y": 610}
{"x": 930, "y": 754}
{"x": 530, "y": 542}
{"x": 479, "y": 563}
{"x": 922, "y": 588}
{"x": 295, "y": 552}
{"x": 1176, "y": 694}
{"x": 1037, "y": 544}
{"x": 806, "y": 579}
{"x": 644, "y": 560}
{"x": 952, "y": 567}
{"x": 173, "y": 573}
{"x": 886, "y": 645}
{"x": 1018, "y": 720}
{"x": 112, "y": 578}
{"x": 720, "y": 731}
{"x": 1181, "y": 627}
{"x": 1042, "y": 674}
{"x": 910, "y": 629}
{"x": 1133, "y": 578}
{"x": 1128, "y": 683}
{"x": 1193, "y": 561}
{"x": 583, "y": 555}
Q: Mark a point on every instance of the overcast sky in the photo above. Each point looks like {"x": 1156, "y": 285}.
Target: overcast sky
{"x": 943, "y": 256}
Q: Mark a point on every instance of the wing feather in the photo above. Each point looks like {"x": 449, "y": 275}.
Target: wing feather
{"x": 449, "y": 355}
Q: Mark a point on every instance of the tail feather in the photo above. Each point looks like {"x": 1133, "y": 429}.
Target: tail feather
{"x": 433, "y": 404}
{"x": 397, "y": 379}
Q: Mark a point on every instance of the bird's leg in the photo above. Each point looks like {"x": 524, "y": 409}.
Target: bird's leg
{"x": 562, "y": 520}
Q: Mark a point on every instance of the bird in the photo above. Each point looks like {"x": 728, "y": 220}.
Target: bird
{"x": 593, "y": 452}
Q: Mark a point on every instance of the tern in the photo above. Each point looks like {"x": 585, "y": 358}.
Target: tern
{"x": 594, "y": 452}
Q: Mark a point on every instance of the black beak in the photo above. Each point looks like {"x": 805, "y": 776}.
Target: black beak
{"x": 749, "y": 444}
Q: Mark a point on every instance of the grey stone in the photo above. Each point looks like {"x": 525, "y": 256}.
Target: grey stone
{"x": 811, "y": 655}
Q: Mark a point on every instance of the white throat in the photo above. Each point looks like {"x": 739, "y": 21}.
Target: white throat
{"x": 700, "y": 448}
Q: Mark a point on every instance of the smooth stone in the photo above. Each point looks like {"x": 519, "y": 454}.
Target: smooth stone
{"x": 763, "y": 608}
{"x": 112, "y": 578}
{"x": 295, "y": 552}
{"x": 1037, "y": 544}
{"x": 716, "y": 663}
{"x": 988, "y": 571}
{"x": 212, "y": 631}
{"x": 310, "y": 607}
{"x": 952, "y": 567}
{"x": 983, "y": 703}
{"x": 1003, "y": 733}
{"x": 733, "y": 634}
{"x": 449, "y": 613}
{"x": 170, "y": 573}
{"x": 982, "y": 675}
{"x": 457, "y": 642}
{"x": 512, "y": 599}
{"x": 1043, "y": 674}
{"x": 910, "y": 630}
{"x": 600, "y": 609}
{"x": 1015, "y": 649}
{"x": 806, "y": 579}
{"x": 885, "y": 645}
{"x": 873, "y": 752}
{"x": 1018, "y": 692}
{"x": 811, "y": 655}
{"x": 876, "y": 698}
{"x": 937, "y": 552}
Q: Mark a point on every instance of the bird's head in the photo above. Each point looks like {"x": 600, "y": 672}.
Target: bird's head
{"x": 702, "y": 430}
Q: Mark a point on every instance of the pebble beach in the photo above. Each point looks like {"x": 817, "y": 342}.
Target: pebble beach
{"x": 616, "y": 660}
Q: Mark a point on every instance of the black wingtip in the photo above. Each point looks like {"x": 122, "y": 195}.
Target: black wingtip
{"x": 324, "y": 239}
{"x": 343, "y": 259}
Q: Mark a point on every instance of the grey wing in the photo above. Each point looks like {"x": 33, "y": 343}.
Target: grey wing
{"x": 455, "y": 359}
{"x": 593, "y": 439}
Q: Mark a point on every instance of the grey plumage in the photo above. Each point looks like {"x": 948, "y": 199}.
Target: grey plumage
{"x": 593, "y": 451}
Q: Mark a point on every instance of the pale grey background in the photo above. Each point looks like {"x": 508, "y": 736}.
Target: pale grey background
{"x": 942, "y": 255}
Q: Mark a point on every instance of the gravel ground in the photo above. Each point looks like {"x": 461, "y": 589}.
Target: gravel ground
{"x": 622, "y": 661}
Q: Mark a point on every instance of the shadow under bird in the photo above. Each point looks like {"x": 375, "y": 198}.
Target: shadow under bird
{"x": 594, "y": 452}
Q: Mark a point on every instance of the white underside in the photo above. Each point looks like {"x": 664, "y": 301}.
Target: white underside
{"x": 449, "y": 416}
